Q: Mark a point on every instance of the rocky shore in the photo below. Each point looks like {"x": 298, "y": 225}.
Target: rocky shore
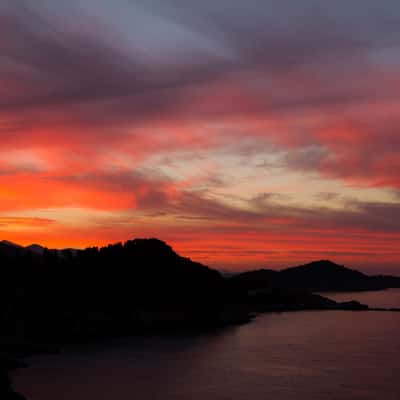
{"x": 6, "y": 390}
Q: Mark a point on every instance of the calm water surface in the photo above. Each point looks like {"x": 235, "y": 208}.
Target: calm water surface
{"x": 389, "y": 298}
{"x": 301, "y": 355}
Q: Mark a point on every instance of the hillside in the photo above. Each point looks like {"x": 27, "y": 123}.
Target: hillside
{"x": 50, "y": 298}
{"x": 318, "y": 276}
{"x": 123, "y": 288}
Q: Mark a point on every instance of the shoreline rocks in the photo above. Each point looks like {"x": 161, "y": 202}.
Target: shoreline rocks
{"x": 6, "y": 390}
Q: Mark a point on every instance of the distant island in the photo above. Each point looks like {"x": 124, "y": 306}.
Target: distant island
{"x": 50, "y": 298}
{"x": 317, "y": 276}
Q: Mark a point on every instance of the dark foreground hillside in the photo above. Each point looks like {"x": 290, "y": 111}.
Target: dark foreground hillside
{"x": 123, "y": 288}
{"x": 51, "y": 298}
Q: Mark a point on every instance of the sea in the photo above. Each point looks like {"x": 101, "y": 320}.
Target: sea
{"x": 304, "y": 355}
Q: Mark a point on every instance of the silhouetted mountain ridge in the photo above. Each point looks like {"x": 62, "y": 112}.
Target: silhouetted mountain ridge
{"x": 14, "y": 249}
{"x": 36, "y": 248}
{"x": 60, "y": 295}
{"x": 317, "y": 276}
{"x": 50, "y": 297}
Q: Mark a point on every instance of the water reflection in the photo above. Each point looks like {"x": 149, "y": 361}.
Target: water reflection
{"x": 289, "y": 356}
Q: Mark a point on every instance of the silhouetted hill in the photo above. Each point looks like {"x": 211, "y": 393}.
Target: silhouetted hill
{"x": 56, "y": 296}
{"x": 7, "y": 243}
{"x": 387, "y": 281}
{"x": 49, "y": 298}
{"x": 256, "y": 279}
{"x": 9, "y": 249}
{"x": 59, "y": 296}
{"x": 318, "y": 276}
{"x": 13, "y": 250}
{"x": 36, "y": 248}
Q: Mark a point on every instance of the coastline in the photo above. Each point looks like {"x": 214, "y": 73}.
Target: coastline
{"x": 9, "y": 363}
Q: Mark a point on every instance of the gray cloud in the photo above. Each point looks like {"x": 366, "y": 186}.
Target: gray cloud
{"x": 96, "y": 76}
{"x": 48, "y": 60}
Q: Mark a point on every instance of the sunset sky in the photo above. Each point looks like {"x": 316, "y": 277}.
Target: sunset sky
{"x": 245, "y": 134}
